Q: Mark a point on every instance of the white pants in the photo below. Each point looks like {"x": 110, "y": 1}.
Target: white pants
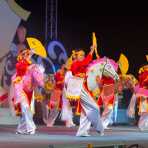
{"x": 66, "y": 114}
{"x": 45, "y": 110}
{"x": 110, "y": 113}
{"x": 90, "y": 114}
{"x": 26, "y": 123}
{"x": 143, "y": 122}
{"x": 107, "y": 116}
{"x": 115, "y": 112}
{"x": 52, "y": 117}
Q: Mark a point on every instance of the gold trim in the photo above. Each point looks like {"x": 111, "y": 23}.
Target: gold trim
{"x": 69, "y": 97}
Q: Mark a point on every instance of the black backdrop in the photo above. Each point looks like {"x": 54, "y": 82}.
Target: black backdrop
{"x": 117, "y": 31}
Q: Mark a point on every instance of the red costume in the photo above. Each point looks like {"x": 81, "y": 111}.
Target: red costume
{"x": 21, "y": 68}
{"x": 55, "y": 98}
{"x": 143, "y": 83}
{"x": 59, "y": 78}
{"x": 143, "y": 79}
{"x": 78, "y": 69}
{"x": 107, "y": 84}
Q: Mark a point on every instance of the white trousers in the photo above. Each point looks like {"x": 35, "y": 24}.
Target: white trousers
{"x": 143, "y": 122}
{"x": 54, "y": 112}
{"x": 26, "y": 123}
{"x": 90, "y": 114}
{"x": 66, "y": 113}
{"x": 107, "y": 116}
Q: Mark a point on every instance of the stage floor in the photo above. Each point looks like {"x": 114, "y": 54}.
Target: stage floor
{"x": 62, "y": 137}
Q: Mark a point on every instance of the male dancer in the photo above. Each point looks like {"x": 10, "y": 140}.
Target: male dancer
{"x": 90, "y": 113}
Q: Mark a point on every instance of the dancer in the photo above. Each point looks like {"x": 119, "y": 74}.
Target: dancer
{"x": 90, "y": 111}
{"x": 27, "y": 77}
{"x": 55, "y": 103}
{"x": 123, "y": 65}
{"x": 45, "y": 94}
{"x": 66, "y": 108}
{"x": 108, "y": 98}
{"x": 141, "y": 96}
{"x": 67, "y": 112}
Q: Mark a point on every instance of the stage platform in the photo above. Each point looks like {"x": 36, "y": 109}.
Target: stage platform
{"x": 62, "y": 137}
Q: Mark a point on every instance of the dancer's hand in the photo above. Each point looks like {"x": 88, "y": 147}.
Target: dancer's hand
{"x": 92, "y": 49}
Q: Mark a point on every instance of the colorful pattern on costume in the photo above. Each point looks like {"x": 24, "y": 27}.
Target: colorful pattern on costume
{"x": 101, "y": 74}
{"x": 107, "y": 92}
{"x": 141, "y": 95}
{"x": 66, "y": 112}
{"x": 55, "y": 103}
{"x": 78, "y": 68}
{"x": 142, "y": 90}
{"x": 97, "y": 68}
{"x": 27, "y": 78}
{"x": 108, "y": 99}
{"x": 55, "y": 98}
{"x": 74, "y": 84}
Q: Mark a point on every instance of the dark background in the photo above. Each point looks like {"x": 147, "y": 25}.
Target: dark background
{"x": 118, "y": 28}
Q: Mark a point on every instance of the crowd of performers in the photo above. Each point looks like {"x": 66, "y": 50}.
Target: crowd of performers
{"x": 82, "y": 86}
